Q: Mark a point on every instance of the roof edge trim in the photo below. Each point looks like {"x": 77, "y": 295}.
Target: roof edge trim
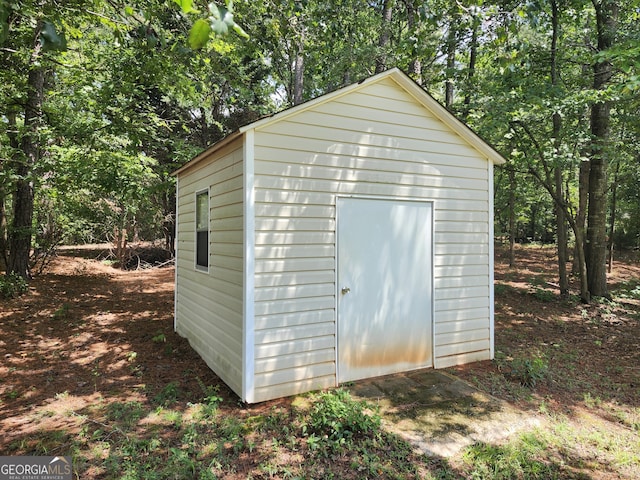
{"x": 205, "y": 153}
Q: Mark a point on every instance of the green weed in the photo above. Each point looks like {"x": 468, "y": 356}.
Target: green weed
{"x": 12, "y": 394}
{"x": 159, "y": 338}
{"x": 501, "y": 289}
{"x": 590, "y": 401}
{"x": 127, "y": 412}
{"x": 62, "y": 312}
{"x": 529, "y": 371}
{"x": 168, "y": 395}
{"x": 629, "y": 290}
{"x": 336, "y": 420}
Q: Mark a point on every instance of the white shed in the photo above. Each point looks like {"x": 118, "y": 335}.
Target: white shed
{"x": 348, "y": 237}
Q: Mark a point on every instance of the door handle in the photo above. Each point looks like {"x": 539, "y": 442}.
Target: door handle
{"x": 345, "y": 290}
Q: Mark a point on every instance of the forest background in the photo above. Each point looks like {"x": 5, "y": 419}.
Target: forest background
{"x": 101, "y": 100}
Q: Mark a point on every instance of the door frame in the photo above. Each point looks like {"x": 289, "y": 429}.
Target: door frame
{"x": 336, "y": 270}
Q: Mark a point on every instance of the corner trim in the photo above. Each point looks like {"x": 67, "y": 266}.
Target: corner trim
{"x": 248, "y": 277}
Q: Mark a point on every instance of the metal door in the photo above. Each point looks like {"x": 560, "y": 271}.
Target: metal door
{"x": 384, "y": 287}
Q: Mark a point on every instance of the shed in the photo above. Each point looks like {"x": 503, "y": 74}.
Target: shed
{"x": 347, "y": 237}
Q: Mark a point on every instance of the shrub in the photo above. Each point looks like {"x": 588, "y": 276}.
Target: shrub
{"x": 12, "y": 285}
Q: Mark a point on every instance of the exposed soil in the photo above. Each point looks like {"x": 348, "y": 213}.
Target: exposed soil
{"x": 86, "y": 330}
{"x": 87, "y": 334}
{"x": 599, "y": 342}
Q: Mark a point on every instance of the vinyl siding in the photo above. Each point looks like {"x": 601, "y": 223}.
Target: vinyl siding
{"x": 209, "y": 305}
{"x": 376, "y": 141}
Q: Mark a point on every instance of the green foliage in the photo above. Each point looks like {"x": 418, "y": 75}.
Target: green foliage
{"x": 222, "y": 19}
{"x": 159, "y": 338}
{"x": 529, "y": 371}
{"x": 186, "y": 6}
{"x": 12, "y": 285}
{"x": 629, "y": 290}
{"x": 219, "y": 22}
{"x": 336, "y": 420}
{"x": 62, "y": 312}
{"x": 127, "y": 101}
{"x": 52, "y": 39}
{"x": 4, "y": 21}
{"x": 127, "y": 412}
{"x": 199, "y": 34}
{"x": 168, "y": 395}
{"x": 544, "y": 295}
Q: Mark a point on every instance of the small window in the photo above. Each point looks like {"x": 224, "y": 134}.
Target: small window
{"x": 202, "y": 230}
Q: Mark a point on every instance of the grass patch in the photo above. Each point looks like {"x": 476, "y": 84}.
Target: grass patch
{"x": 137, "y": 440}
{"x": 523, "y": 458}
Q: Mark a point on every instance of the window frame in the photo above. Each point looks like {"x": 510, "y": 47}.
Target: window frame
{"x": 197, "y": 231}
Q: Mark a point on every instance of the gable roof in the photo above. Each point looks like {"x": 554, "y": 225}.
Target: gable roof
{"x": 421, "y": 96}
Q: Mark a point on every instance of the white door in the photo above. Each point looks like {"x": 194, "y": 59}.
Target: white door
{"x": 384, "y": 287}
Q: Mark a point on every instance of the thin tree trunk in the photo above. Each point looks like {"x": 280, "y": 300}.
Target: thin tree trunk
{"x": 533, "y": 220}
{"x": 585, "y": 295}
{"x": 298, "y": 74}
{"x": 451, "y": 64}
{"x": 415, "y": 66}
{"x": 581, "y": 215}
{"x": 561, "y": 234}
{"x": 561, "y": 223}
{"x": 606, "y": 21}
{"x": 3, "y": 227}
{"x": 473, "y": 55}
{"x": 21, "y": 231}
{"x": 385, "y": 36}
{"x": 169, "y": 224}
{"x": 12, "y": 133}
{"x": 512, "y": 215}
{"x": 612, "y": 216}
{"x": 578, "y": 226}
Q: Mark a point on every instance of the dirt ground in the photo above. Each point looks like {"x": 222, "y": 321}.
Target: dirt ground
{"x": 86, "y": 333}
{"x": 85, "y": 330}
{"x": 597, "y": 346}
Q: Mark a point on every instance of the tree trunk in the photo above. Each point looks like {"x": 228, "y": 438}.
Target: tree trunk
{"x": 385, "y": 36}
{"x": 597, "y": 212}
{"x": 451, "y": 64}
{"x": 612, "y": 216}
{"x": 606, "y": 21}
{"x": 21, "y": 230}
{"x": 298, "y": 73}
{"x": 512, "y": 215}
{"x": 581, "y": 215}
{"x": 533, "y": 220}
{"x": 169, "y": 224}
{"x": 12, "y": 133}
{"x": 561, "y": 234}
{"x": 585, "y": 294}
{"x": 415, "y": 66}
{"x": 3, "y": 227}
{"x": 473, "y": 55}
{"x": 561, "y": 222}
